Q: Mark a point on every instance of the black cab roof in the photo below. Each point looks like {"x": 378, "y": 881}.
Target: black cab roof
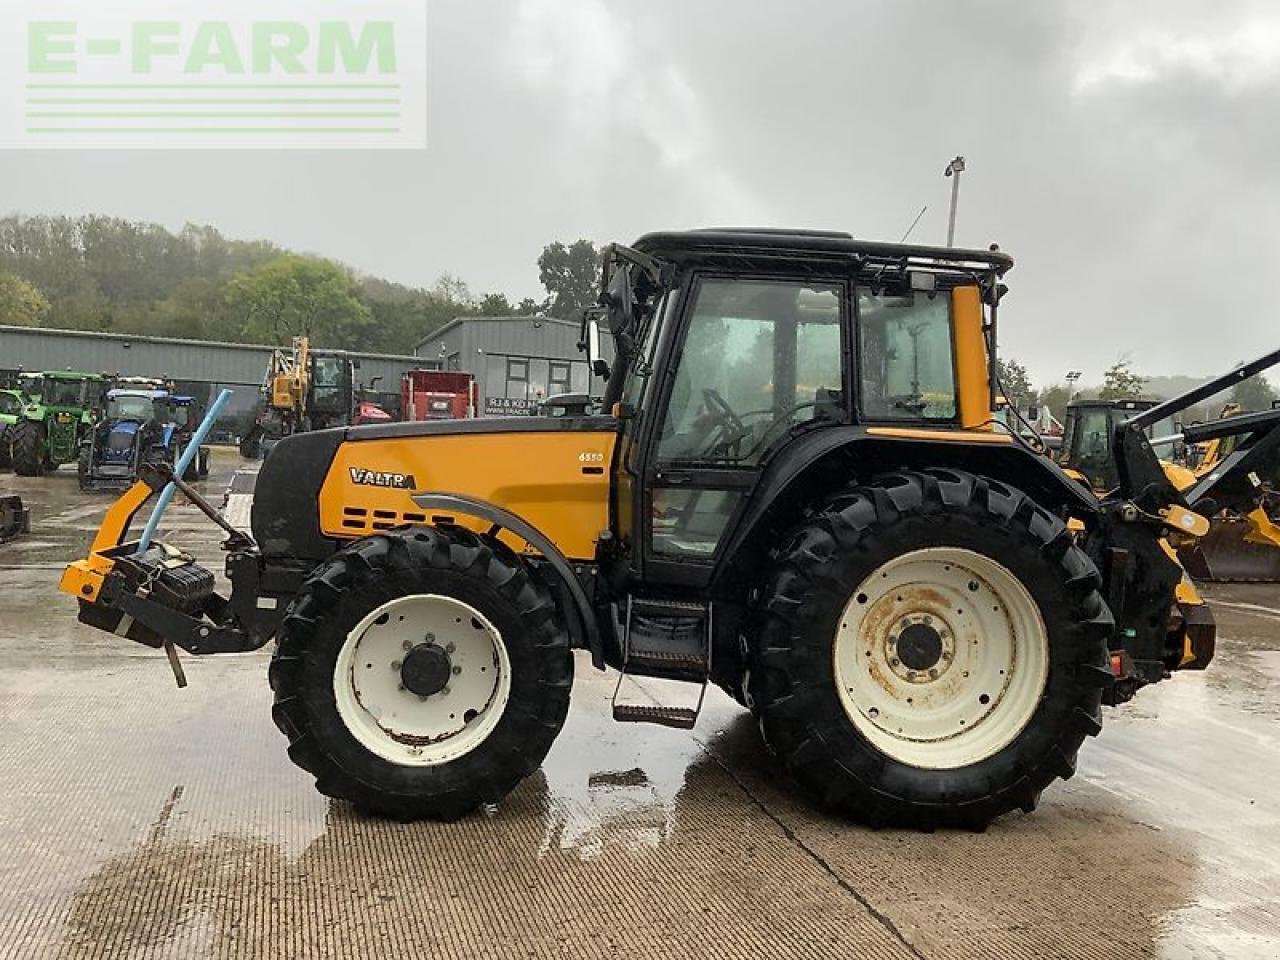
{"x": 751, "y": 246}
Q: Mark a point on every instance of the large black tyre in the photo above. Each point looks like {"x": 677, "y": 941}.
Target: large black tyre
{"x": 28, "y": 448}
{"x": 5, "y": 459}
{"x": 356, "y": 582}
{"x": 835, "y": 552}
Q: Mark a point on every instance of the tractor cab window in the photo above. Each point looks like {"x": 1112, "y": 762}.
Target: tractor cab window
{"x": 633, "y": 388}
{"x": 1093, "y": 431}
{"x": 130, "y": 408}
{"x": 759, "y": 358}
{"x": 62, "y": 393}
{"x": 908, "y": 367}
{"x": 327, "y": 383}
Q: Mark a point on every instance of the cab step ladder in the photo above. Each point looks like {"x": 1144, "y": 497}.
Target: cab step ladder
{"x": 668, "y": 640}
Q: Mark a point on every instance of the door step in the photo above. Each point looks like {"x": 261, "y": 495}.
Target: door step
{"x": 669, "y": 640}
{"x": 681, "y": 718}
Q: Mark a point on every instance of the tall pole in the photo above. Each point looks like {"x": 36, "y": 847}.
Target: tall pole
{"x": 954, "y": 169}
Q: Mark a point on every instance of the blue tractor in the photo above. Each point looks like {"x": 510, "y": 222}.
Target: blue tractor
{"x": 138, "y": 426}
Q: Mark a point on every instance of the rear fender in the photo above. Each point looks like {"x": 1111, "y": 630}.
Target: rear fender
{"x": 810, "y": 469}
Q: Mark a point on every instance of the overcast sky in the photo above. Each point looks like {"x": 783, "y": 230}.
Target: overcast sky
{"x": 1125, "y": 154}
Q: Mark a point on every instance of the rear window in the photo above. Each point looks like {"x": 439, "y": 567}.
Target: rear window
{"x": 907, "y": 359}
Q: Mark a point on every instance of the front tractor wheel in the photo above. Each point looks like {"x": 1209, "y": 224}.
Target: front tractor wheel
{"x": 421, "y": 674}
{"x": 931, "y": 651}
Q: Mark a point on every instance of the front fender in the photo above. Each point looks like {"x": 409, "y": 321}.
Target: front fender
{"x": 450, "y": 503}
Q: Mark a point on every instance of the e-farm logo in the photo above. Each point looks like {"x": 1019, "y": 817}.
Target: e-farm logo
{"x": 237, "y": 74}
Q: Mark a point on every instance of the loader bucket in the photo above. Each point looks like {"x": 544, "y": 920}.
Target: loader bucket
{"x": 1226, "y": 556}
{"x": 14, "y": 517}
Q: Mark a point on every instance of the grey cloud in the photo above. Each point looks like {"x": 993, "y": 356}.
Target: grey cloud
{"x": 1124, "y": 153}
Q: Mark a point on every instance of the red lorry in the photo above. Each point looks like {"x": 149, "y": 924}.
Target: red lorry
{"x": 439, "y": 395}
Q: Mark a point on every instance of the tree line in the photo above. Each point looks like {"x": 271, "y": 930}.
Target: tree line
{"x": 1122, "y": 382}
{"x": 114, "y": 275}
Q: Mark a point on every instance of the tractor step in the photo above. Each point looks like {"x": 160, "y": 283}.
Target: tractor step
{"x": 666, "y": 640}
{"x": 682, "y": 718}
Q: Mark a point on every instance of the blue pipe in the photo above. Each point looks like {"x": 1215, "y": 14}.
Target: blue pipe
{"x": 180, "y": 468}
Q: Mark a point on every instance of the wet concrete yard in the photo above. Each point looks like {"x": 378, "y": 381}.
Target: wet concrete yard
{"x": 139, "y": 820}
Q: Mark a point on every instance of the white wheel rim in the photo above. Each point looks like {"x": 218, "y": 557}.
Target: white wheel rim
{"x": 399, "y": 725}
{"x": 991, "y": 666}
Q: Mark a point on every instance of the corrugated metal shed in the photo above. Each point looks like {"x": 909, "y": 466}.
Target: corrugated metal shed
{"x": 35, "y": 348}
{"x": 517, "y": 361}
{"x": 544, "y": 337}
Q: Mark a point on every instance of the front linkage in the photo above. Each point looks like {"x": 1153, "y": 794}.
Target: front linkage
{"x": 155, "y": 594}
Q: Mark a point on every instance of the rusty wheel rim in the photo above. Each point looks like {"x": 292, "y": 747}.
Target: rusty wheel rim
{"x": 941, "y": 657}
{"x": 422, "y": 717}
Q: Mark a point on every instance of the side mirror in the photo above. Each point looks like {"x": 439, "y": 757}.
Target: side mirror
{"x": 599, "y": 366}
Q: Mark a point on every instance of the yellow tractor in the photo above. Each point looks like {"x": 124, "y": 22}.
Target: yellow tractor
{"x": 797, "y": 492}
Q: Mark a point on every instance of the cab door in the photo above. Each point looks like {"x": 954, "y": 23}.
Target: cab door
{"x": 752, "y": 363}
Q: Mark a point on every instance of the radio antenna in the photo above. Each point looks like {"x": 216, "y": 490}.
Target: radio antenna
{"x": 913, "y": 223}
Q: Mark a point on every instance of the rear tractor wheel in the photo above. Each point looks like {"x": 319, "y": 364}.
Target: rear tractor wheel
{"x": 27, "y": 443}
{"x": 421, "y": 674}
{"x": 931, "y": 651}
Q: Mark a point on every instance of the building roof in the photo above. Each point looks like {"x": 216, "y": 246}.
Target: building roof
{"x": 456, "y": 322}
{"x": 176, "y": 341}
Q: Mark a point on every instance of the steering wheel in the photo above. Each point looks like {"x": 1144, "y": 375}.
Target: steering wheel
{"x": 724, "y": 428}
{"x": 712, "y": 398}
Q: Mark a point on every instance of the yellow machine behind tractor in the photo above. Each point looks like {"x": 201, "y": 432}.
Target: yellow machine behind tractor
{"x": 1233, "y": 479}
{"x": 798, "y": 493}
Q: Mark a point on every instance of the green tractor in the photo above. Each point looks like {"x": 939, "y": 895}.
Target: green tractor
{"x": 11, "y": 404}
{"x": 59, "y": 410}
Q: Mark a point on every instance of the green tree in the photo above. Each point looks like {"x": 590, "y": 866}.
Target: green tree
{"x": 1254, "y": 394}
{"x": 21, "y": 304}
{"x": 292, "y": 296}
{"x": 571, "y": 275}
{"x": 497, "y": 305}
{"x": 1121, "y": 383}
{"x": 454, "y": 290}
{"x": 1056, "y": 398}
{"x": 1015, "y": 381}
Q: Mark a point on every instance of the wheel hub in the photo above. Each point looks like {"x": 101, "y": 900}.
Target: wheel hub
{"x": 940, "y": 657}
{"x": 919, "y": 647}
{"x": 426, "y": 669}
{"x": 422, "y": 680}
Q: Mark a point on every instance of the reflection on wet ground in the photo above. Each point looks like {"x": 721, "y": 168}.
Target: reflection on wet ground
{"x": 137, "y": 820}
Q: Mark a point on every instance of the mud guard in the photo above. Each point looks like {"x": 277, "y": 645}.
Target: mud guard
{"x": 504, "y": 519}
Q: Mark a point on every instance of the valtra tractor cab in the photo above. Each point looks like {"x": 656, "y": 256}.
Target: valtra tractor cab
{"x": 797, "y": 493}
